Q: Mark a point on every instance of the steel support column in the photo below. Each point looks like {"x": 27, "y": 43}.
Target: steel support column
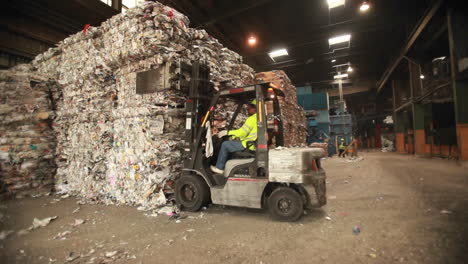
{"x": 399, "y": 124}
{"x": 458, "y": 44}
{"x": 117, "y": 5}
{"x": 418, "y": 109}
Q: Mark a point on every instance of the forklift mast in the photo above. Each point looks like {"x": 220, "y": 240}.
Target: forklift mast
{"x": 198, "y": 101}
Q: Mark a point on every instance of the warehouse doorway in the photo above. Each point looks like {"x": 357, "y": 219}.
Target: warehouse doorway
{"x": 444, "y": 135}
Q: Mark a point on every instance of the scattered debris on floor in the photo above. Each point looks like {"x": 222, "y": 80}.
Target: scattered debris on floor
{"x": 387, "y": 145}
{"x": 62, "y": 235}
{"x": 356, "y": 230}
{"x": 71, "y": 257}
{"x": 177, "y": 217}
{"x": 201, "y": 215}
{"x": 167, "y": 210}
{"x": 78, "y": 222}
{"x": 152, "y": 214}
{"x": 22, "y": 232}
{"x": 5, "y": 233}
{"x": 111, "y": 254}
{"x": 355, "y": 159}
{"x": 37, "y": 223}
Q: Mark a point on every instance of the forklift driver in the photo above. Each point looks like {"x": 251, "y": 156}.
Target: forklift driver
{"x": 248, "y": 132}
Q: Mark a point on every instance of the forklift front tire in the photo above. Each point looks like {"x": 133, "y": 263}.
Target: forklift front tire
{"x": 191, "y": 193}
{"x": 285, "y": 204}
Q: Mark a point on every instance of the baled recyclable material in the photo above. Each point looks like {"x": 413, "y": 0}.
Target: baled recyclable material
{"x": 27, "y": 139}
{"x": 108, "y": 141}
{"x": 116, "y": 145}
{"x": 292, "y": 115}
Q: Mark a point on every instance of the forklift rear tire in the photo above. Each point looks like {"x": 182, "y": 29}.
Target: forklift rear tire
{"x": 285, "y": 204}
{"x": 192, "y": 193}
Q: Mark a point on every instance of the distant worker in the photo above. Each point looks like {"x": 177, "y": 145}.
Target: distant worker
{"x": 248, "y": 132}
{"x": 342, "y": 148}
{"x": 353, "y": 148}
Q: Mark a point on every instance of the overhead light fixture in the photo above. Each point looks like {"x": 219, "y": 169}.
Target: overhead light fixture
{"x": 340, "y": 76}
{"x": 364, "y": 7}
{"x": 309, "y": 61}
{"x": 252, "y": 41}
{"x": 350, "y": 69}
{"x": 333, "y": 61}
{"x": 422, "y": 76}
{"x": 339, "y": 39}
{"x": 335, "y": 3}
{"x": 439, "y": 58}
{"x": 278, "y": 53}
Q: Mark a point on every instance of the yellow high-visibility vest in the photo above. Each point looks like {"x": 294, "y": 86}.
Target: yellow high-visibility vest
{"x": 342, "y": 146}
{"x": 247, "y": 132}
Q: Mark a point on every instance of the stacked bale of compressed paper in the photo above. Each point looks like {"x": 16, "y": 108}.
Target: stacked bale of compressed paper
{"x": 225, "y": 64}
{"x": 27, "y": 140}
{"x": 147, "y": 139}
{"x": 293, "y": 116}
{"x": 114, "y": 144}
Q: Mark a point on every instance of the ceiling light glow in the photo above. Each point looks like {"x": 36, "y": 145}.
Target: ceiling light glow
{"x": 422, "y": 76}
{"x": 333, "y": 60}
{"x": 335, "y": 3}
{"x": 278, "y": 53}
{"x": 364, "y": 7}
{"x": 350, "y": 69}
{"x": 339, "y": 39}
{"x": 252, "y": 41}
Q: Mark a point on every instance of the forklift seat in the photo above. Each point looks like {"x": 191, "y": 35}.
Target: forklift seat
{"x": 243, "y": 154}
{"x": 246, "y": 153}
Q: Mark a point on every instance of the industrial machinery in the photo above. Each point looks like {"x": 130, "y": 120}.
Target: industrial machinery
{"x": 281, "y": 180}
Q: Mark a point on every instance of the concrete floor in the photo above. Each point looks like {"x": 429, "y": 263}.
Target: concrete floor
{"x": 397, "y": 200}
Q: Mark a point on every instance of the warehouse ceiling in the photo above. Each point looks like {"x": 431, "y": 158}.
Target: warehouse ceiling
{"x": 303, "y": 27}
{"x": 30, "y": 27}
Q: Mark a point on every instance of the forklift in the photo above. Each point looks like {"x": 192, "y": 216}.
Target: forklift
{"x": 281, "y": 180}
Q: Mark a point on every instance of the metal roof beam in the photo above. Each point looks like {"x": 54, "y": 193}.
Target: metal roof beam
{"x": 423, "y": 22}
